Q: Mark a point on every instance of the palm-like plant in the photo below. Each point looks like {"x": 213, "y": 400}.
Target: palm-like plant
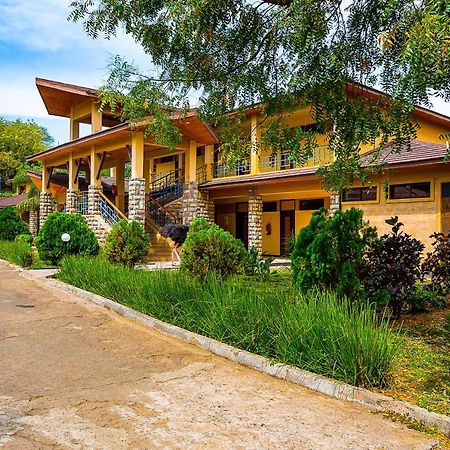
{"x": 31, "y": 203}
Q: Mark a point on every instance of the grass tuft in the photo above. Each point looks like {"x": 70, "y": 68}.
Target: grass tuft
{"x": 19, "y": 253}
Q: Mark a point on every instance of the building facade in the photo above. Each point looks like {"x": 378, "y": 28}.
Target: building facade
{"x": 264, "y": 201}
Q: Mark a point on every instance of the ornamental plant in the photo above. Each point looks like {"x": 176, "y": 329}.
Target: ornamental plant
{"x": 11, "y": 225}
{"x": 329, "y": 253}
{"x": 210, "y": 249}
{"x": 437, "y": 263}
{"x": 392, "y": 267}
{"x": 127, "y": 243}
{"x": 82, "y": 239}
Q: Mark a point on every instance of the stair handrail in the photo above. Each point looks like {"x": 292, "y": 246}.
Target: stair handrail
{"x": 175, "y": 175}
{"x": 162, "y": 208}
{"x": 113, "y": 207}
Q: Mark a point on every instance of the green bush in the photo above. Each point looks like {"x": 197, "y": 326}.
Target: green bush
{"x": 329, "y": 253}
{"x": 82, "y": 239}
{"x": 315, "y": 331}
{"x": 19, "y": 253}
{"x": 209, "y": 249}
{"x": 27, "y": 238}
{"x": 11, "y": 225}
{"x": 256, "y": 266}
{"x": 127, "y": 243}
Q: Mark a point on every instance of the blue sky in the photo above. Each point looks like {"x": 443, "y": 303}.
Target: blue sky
{"x": 36, "y": 40}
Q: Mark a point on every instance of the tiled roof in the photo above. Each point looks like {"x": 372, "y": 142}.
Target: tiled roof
{"x": 420, "y": 151}
{"x": 12, "y": 201}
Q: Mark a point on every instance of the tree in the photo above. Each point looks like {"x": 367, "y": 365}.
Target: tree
{"x": 284, "y": 54}
{"x": 17, "y": 141}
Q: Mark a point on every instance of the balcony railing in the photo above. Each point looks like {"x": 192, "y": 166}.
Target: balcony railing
{"x": 109, "y": 211}
{"x": 82, "y": 206}
{"x": 222, "y": 170}
{"x": 272, "y": 163}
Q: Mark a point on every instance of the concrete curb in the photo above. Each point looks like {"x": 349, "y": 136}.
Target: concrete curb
{"x": 333, "y": 388}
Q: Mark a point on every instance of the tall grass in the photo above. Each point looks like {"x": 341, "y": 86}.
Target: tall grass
{"x": 318, "y": 332}
{"x": 19, "y": 253}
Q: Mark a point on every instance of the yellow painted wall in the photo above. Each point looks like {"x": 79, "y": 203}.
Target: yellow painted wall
{"x": 165, "y": 167}
{"x": 271, "y": 244}
{"x": 430, "y": 132}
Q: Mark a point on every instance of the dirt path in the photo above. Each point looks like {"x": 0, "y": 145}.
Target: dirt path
{"x": 75, "y": 376}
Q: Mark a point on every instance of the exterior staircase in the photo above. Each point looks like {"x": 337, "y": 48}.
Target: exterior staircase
{"x": 99, "y": 226}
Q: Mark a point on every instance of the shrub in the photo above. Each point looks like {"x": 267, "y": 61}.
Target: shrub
{"x": 82, "y": 239}
{"x": 315, "y": 331}
{"x": 176, "y": 232}
{"x": 254, "y": 265}
{"x": 127, "y": 243}
{"x": 393, "y": 266}
{"x": 17, "y": 252}
{"x": 11, "y": 225}
{"x": 329, "y": 253}
{"x": 27, "y": 238}
{"x": 437, "y": 263}
{"x": 209, "y": 249}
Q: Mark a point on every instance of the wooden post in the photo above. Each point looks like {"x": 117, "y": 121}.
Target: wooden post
{"x": 255, "y": 138}
{"x": 137, "y": 154}
{"x": 73, "y": 170}
{"x": 120, "y": 184}
{"x": 96, "y": 118}
{"x": 209, "y": 161}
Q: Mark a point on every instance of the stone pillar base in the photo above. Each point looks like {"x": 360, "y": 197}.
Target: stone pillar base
{"x": 33, "y": 222}
{"x": 94, "y": 198}
{"x": 255, "y": 221}
{"x": 45, "y": 207}
{"x": 136, "y": 200}
{"x": 335, "y": 203}
{"x": 72, "y": 200}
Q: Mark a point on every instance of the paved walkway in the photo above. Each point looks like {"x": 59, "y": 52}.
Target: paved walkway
{"x": 73, "y": 376}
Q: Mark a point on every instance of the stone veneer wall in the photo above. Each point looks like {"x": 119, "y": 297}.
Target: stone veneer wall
{"x": 94, "y": 198}
{"x": 335, "y": 202}
{"x": 196, "y": 203}
{"x": 136, "y": 200}
{"x": 33, "y": 222}
{"x": 45, "y": 206}
{"x": 255, "y": 207}
{"x": 72, "y": 200}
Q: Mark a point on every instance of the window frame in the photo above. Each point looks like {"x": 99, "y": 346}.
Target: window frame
{"x": 361, "y": 201}
{"x": 430, "y": 198}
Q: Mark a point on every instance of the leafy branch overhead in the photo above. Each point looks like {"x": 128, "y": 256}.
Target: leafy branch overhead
{"x": 234, "y": 54}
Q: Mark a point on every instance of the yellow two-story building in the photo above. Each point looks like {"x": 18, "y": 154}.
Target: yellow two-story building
{"x": 263, "y": 201}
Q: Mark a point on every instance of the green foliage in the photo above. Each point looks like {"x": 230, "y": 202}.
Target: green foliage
{"x": 17, "y": 141}
{"x": 31, "y": 203}
{"x": 11, "y": 225}
{"x": 209, "y": 249}
{"x": 437, "y": 263}
{"x": 18, "y": 252}
{"x": 329, "y": 253}
{"x": 318, "y": 332}
{"x": 285, "y": 54}
{"x": 82, "y": 240}
{"x": 127, "y": 243}
{"x": 393, "y": 265}
{"x": 27, "y": 238}
{"x": 254, "y": 265}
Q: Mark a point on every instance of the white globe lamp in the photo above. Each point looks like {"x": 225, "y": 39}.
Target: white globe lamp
{"x": 65, "y": 237}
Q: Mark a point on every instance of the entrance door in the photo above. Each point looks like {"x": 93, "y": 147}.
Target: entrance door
{"x": 445, "y": 207}
{"x": 287, "y": 228}
{"x": 242, "y": 227}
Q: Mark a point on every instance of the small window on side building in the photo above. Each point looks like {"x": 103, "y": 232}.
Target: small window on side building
{"x": 410, "y": 190}
{"x": 360, "y": 194}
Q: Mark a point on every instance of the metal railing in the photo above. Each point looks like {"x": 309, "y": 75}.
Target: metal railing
{"x": 157, "y": 214}
{"x": 282, "y": 161}
{"x": 110, "y": 213}
{"x": 222, "y": 170}
{"x": 82, "y": 204}
{"x": 201, "y": 174}
{"x": 167, "y": 188}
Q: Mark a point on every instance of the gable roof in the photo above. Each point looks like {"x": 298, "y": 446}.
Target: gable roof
{"x": 12, "y": 201}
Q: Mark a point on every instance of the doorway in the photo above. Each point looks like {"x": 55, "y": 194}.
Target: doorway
{"x": 287, "y": 229}
{"x": 242, "y": 227}
{"x": 445, "y": 207}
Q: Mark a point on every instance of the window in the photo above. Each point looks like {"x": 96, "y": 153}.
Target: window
{"x": 270, "y": 206}
{"x": 360, "y": 194}
{"x": 313, "y": 204}
{"x": 166, "y": 159}
{"x": 410, "y": 190}
{"x": 200, "y": 151}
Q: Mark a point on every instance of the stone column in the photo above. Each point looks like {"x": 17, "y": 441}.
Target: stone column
{"x": 136, "y": 201}
{"x": 255, "y": 221}
{"x": 45, "y": 207}
{"x": 206, "y": 207}
{"x": 33, "y": 222}
{"x": 335, "y": 203}
{"x": 94, "y": 198}
{"x": 72, "y": 200}
{"x": 190, "y": 202}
